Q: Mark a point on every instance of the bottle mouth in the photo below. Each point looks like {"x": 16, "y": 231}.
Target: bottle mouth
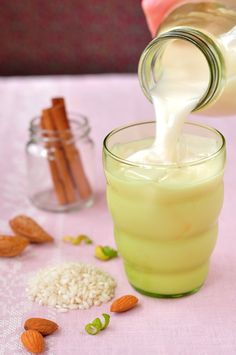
{"x": 150, "y": 62}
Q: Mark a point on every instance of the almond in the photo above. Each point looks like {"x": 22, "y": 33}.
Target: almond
{"x": 12, "y": 245}
{"x": 124, "y": 303}
{"x": 28, "y": 228}
{"x": 33, "y": 341}
{"x": 43, "y": 326}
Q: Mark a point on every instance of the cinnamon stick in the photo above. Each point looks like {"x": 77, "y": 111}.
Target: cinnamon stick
{"x": 72, "y": 154}
{"x": 60, "y": 159}
{"x": 58, "y": 101}
{"x": 57, "y": 182}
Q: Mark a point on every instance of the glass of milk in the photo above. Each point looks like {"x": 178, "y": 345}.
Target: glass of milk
{"x": 165, "y": 213}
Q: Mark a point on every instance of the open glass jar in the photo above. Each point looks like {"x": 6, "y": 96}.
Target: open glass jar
{"x": 60, "y": 166}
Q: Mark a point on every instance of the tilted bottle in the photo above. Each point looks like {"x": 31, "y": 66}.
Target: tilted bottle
{"x": 197, "y": 39}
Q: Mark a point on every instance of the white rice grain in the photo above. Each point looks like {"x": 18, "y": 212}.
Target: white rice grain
{"x": 71, "y": 286}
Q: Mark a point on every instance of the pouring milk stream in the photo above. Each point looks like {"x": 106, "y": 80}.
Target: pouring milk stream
{"x": 184, "y": 78}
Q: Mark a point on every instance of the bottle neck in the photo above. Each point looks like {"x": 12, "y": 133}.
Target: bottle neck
{"x": 150, "y": 64}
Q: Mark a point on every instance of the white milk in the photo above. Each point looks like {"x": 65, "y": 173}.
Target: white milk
{"x": 174, "y": 96}
{"x": 177, "y": 92}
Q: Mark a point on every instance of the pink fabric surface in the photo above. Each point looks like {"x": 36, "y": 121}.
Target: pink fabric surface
{"x": 203, "y": 323}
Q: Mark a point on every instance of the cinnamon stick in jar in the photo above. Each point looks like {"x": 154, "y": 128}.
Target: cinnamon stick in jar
{"x": 57, "y": 182}
{"x": 72, "y": 154}
{"x": 63, "y": 171}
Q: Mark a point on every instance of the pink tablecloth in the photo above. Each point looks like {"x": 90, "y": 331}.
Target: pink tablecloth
{"x": 202, "y": 324}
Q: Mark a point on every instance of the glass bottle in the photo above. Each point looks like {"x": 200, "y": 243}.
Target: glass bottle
{"x": 51, "y": 183}
{"x": 197, "y": 39}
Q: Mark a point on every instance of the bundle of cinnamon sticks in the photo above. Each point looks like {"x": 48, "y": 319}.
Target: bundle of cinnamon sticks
{"x": 66, "y": 168}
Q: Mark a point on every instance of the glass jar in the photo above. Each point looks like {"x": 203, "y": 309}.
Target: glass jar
{"x": 52, "y": 184}
{"x": 197, "y": 40}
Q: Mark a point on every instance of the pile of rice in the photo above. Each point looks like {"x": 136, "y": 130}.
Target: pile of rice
{"x": 71, "y": 286}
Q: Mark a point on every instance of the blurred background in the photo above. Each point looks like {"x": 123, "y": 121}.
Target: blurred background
{"x": 43, "y": 37}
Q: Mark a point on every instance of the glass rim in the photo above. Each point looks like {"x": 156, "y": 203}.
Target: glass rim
{"x": 79, "y": 128}
{"x": 162, "y": 165}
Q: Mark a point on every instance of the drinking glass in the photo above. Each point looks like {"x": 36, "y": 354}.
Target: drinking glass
{"x": 165, "y": 215}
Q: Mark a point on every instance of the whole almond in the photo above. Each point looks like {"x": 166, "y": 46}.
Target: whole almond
{"x": 28, "y": 228}
{"x": 124, "y": 303}
{"x": 33, "y": 341}
{"x": 42, "y": 325}
{"x": 12, "y": 245}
